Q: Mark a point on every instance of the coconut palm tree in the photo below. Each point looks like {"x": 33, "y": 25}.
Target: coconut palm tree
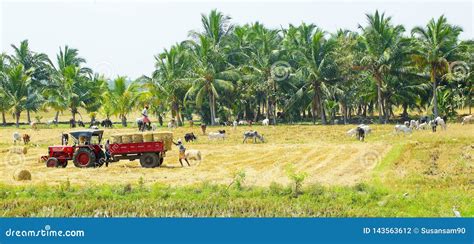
{"x": 39, "y": 66}
{"x": 380, "y": 39}
{"x": 123, "y": 97}
{"x": 15, "y": 85}
{"x": 312, "y": 52}
{"x": 435, "y": 47}
{"x": 169, "y": 78}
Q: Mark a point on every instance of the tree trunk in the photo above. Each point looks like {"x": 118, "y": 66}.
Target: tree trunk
{"x": 56, "y": 118}
{"x": 267, "y": 109}
{"x": 28, "y": 117}
{"x": 212, "y": 107}
{"x": 17, "y": 117}
{"x": 435, "y": 92}
{"x": 314, "y": 103}
{"x": 321, "y": 107}
{"x": 4, "y": 121}
{"x": 124, "y": 120}
{"x": 379, "y": 99}
{"x": 405, "y": 111}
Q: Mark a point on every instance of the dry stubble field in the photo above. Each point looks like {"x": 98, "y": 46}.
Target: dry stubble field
{"x": 324, "y": 153}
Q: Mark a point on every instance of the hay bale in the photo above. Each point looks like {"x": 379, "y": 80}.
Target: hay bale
{"x": 147, "y": 137}
{"x": 137, "y": 138}
{"x": 127, "y": 138}
{"x": 21, "y": 175}
{"x": 18, "y": 150}
{"x": 116, "y": 139}
{"x": 166, "y": 137}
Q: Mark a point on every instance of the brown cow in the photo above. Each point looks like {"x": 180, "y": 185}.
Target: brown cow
{"x": 203, "y": 128}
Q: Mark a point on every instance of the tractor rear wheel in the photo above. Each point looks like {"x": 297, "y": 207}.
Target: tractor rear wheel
{"x": 149, "y": 160}
{"x": 52, "y": 162}
{"x": 84, "y": 158}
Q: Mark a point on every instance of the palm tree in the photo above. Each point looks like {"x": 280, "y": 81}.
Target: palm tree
{"x": 380, "y": 39}
{"x": 38, "y": 65}
{"x": 436, "y": 44}
{"x": 210, "y": 67}
{"x": 123, "y": 97}
{"x": 72, "y": 86}
{"x": 170, "y": 78}
{"x": 15, "y": 89}
{"x": 312, "y": 52}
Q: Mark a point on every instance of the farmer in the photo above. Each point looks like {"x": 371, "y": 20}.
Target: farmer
{"x": 145, "y": 116}
{"x": 182, "y": 152}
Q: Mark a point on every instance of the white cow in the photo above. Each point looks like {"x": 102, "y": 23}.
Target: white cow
{"x": 265, "y": 122}
{"x": 353, "y": 132}
{"x": 441, "y": 122}
{"x": 216, "y": 135}
{"x": 172, "y": 125}
{"x": 402, "y": 128}
{"x": 193, "y": 155}
{"x": 414, "y": 124}
{"x": 243, "y": 122}
{"x": 467, "y": 119}
{"x": 423, "y": 126}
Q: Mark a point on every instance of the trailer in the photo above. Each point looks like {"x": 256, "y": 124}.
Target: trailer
{"x": 150, "y": 154}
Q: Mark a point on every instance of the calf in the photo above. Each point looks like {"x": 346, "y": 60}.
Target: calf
{"x": 203, "y": 128}
{"x": 253, "y": 135}
{"x": 414, "y": 124}
{"x": 33, "y": 125}
{"x": 106, "y": 123}
{"x": 423, "y": 126}
{"x": 360, "y": 133}
{"x": 441, "y": 122}
{"x": 265, "y": 122}
{"x": 189, "y": 137}
{"x": 26, "y": 139}
{"x": 234, "y": 124}
{"x": 80, "y": 123}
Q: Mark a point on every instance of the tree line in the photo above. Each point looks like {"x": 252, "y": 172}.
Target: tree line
{"x": 251, "y": 72}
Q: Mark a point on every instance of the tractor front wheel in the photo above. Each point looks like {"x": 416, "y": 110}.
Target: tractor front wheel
{"x": 150, "y": 160}
{"x": 84, "y": 158}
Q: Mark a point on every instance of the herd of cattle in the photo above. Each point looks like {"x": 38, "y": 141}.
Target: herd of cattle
{"x": 360, "y": 132}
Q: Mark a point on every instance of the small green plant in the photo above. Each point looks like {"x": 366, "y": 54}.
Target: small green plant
{"x": 297, "y": 179}
{"x": 141, "y": 182}
{"x": 38, "y": 118}
{"x": 238, "y": 180}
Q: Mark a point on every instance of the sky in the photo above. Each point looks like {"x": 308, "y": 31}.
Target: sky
{"x": 121, "y": 38}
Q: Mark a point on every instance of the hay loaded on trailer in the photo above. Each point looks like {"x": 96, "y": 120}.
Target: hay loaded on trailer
{"x": 87, "y": 150}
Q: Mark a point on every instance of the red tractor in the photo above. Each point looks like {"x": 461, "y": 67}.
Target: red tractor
{"x": 85, "y": 152}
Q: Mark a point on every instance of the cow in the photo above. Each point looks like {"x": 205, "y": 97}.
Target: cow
{"x": 26, "y": 139}
{"x": 203, "y": 128}
{"x": 423, "y": 126}
{"x": 265, "y": 122}
{"x": 80, "y": 123}
{"x": 357, "y": 131}
{"x": 243, "y": 122}
{"x": 424, "y": 119}
{"x": 189, "y": 137}
{"x": 16, "y": 137}
{"x": 216, "y": 135}
{"x": 106, "y": 123}
{"x": 441, "y": 122}
{"x": 253, "y": 135}
{"x": 402, "y": 128}
{"x": 467, "y": 119}
{"x": 193, "y": 155}
{"x": 414, "y": 124}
